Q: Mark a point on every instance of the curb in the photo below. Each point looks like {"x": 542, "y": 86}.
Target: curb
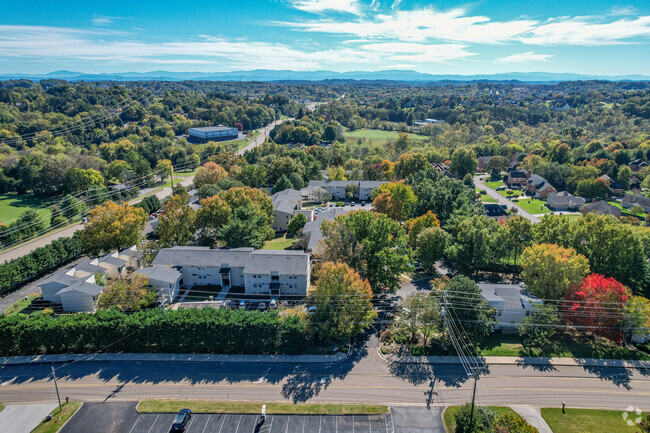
{"x": 171, "y": 357}
{"x": 521, "y": 362}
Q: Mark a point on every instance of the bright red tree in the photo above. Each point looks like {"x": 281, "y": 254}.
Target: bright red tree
{"x": 596, "y": 302}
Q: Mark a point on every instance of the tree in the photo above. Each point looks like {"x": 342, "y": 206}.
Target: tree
{"x": 209, "y": 174}
{"x": 415, "y": 226}
{"x": 539, "y": 329}
{"x": 472, "y": 245}
{"x": 300, "y": 135}
{"x": 113, "y": 226}
{"x": 70, "y": 207}
{"x": 624, "y": 175}
{"x": 372, "y": 244}
{"x": 548, "y": 269}
{"x": 481, "y": 421}
{"x": 208, "y": 190}
{"x": 336, "y": 173}
{"x": 496, "y": 165}
{"x": 409, "y": 163}
{"x": 342, "y": 300}
{"x": 463, "y": 162}
{"x": 593, "y": 189}
{"x": 431, "y": 246}
{"x": 464, "y": 306}
{"x": 210, "y": 217}
{"x": 593, "y": 302}
{"x": 78, "y": 179}
{"x": 518, "y": 236}
{"x": 511, "y": 423}
{"x": 421, "y": 314}
{"x": 395, "y": 199}
{"x": 176, "y": 223}
{"x": 245, "y": 228}
{"x": 284, "y": 165}
{"x": 252, "y": 175}
{"x": 297, "y": 223}
{"x": 127, "y": 295}
{"x": 329, "y": 133}
{"x": 636, "y": 316}
{"x": 282, "y": 184}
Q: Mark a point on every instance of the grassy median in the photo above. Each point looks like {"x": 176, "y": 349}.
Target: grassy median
{"x": 589, "y": 421}
{"x": 59, "y": 417}
{"x": 2, "y": 406}
{"x": 208, "y": 406}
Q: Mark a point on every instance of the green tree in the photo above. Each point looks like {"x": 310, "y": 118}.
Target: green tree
{"x": 409, "y": 163}
{"x": 342, "y": 301}
{"x": 421, "y": 315}
{"x": 282, "y": 184}
{"x": 127, "y": 295}
{"x": 245, "y": 228}
{"x": 208, "y": 190}
{"x": 70, "y": 207}
{"x": 336, "y": 173}
{"x": 518, "y": 236}
{"x": 463, "y": 162}
{"x": 176, "y": 223}
{"x": 624, "y": 175}
{"x": 548, "y": 270}
{"x": 481, "y": 421}
{"x": 329, "y": 133}
{"x": 538, "y": 331}
{"x": 431, "y": 243}
{"x": 253, "y": 176}
{"x": 210, "y": 217}
{"x": 113, "y": 226}
{"x": 497, "y": 164}
{"x": 297, "y": 223}
{"x": 464, "y": 306}
{"x": 372, "y": 244}
{"x": 472, "y": 245}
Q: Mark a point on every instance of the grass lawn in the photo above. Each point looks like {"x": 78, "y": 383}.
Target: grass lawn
{"x": 515, "y": 193}
{"x": 487, "y": 199}
{"x": 377, "y": 136}
{"x": 494, "y": 185}
{"x": 626, "y": 211}
{"x": 202, "y": 293}
{"x": 59, "y": 417}
{"x": 185, "y": 173}
{"x": 450, "y": 422}
{"x": 21, "y": 305}
{"x": 587, "y": 421}
{"x": 532, "y": 205}
{"x": 207, "y": 406}
{"x": 13, "y": 205}
{"x": 573, "y": 218}
{"x": 2, "y": 406}
{"x": 283, "y": 243}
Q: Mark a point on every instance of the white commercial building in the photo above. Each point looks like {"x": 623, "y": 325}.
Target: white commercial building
{"x": 511, "y": 302}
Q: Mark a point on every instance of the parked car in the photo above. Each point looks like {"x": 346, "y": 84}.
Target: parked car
{"x": 181, "y": 420}
{"x": 273, "y": 304}
{"x": 226, "y": 304}
{"x": 501, "y": 188}
{"x": 262, "y": 306}
{"x": 243, "y": 304}
{"x": 310, "y": 310}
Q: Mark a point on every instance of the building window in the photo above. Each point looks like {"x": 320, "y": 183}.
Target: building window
{"x": 527, "y": 313}
{"x": 498, "y": 312}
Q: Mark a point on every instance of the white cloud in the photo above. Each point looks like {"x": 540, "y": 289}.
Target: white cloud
{"x": 587, "y": 31}
{"x": 99, "y": 20}
{"x": 525, "y": 58}
{"x": 318, "y": 6}
{"x": 396, "y": 4}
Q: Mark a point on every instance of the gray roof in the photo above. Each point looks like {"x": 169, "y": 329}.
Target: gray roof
{"x": 88, "y": 266}
{"x": 84, "y": 287}
{"x": 62, "y": 277}
{"x": 636, "y": 200}
{"x": 285, "y": 262}
{"x": 211, "y": 128}
{"x": 287, "y": 200}
{"x": 538, "y": 182}
{"x": 130, "y": 251}
{"x": 161, "y": 273}
{"x": 312, "y": 228}
{"x": 511, "y": 295}
{"x": 202, "y": 256}
{"x": 565, "y": 198}
{"x": 344, "y": 183}
{"x": 602, "y": 207}
{"x": 111, "y": 260}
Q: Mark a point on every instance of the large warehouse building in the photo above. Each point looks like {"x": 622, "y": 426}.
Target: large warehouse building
{"x": 213, "y": 133}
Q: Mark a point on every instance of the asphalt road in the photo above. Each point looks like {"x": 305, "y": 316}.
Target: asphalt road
{"x": 504, "y": 201}
{"x": 364, "y": 377}
{"x": 29, "y": 246}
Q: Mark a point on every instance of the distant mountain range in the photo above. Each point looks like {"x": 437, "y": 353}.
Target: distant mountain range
{"x": 271, "y": 75}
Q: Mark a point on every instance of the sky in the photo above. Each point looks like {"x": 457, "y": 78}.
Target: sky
{"x": 593, "y": 37}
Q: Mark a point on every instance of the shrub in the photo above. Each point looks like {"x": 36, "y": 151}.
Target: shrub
{"x": 510, "y": 423}
{"x": 482, "y": 422}
{"x": 387, "y": 335}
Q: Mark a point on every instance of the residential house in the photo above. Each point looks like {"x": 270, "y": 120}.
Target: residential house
{"x": 337, "y": 188}
{"x": 494, "y": 210}
{"x": 511, "y": 302}
{"x": 75, "y": 294}
{"x": 444, "y": 169}
{"x": 285, "y": 205}
{"x": 114, "y": 265}
{"x": 564, "y": 201}
{"x": 601, "y": 207}
{"x": 538, "y": 186}
{"x": 283, "y": 272}
{"x": 483, "y": 162}
{"x": 637, "y": 164}
{"x": 516, "y": 158}
{"x": 166, "y": 280}
{"x": 312, "y": 234}
{"x": 631, "y": 200}
{"x": 617, "y": 187}
{"x": 517, "y": 177}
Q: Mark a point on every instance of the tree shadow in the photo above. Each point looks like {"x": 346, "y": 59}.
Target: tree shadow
{"x": 419, "y": 373}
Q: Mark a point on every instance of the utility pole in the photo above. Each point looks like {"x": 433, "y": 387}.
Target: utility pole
{"x": 443, "y": 312}
{"x": 471, "y": 413}
{"x": 56, "y": 387}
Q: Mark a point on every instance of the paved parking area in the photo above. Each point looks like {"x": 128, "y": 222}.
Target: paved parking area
{"x": 23, "y": 418}
{"x": 220, "y": 423}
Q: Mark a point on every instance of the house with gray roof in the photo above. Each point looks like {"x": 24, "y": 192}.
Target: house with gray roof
{"x": 285, "y": 205}
{"x": 511, "y": 302}
{"x": 283, "y": 272}
{"x": 166, "y": 280}
{"x": 311, "y": 232}
{"x": 601, "y": 207}
{"x": 538, "y": 186}
{"x": 80, "y": 296}
{"x": 564, "y": 201}
{"x": 337, "y": 188}
{"x": 631, "y": 200}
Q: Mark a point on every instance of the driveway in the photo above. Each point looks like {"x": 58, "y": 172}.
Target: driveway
{"x": 504, "y": 201}
{"x": 122, "y": 417}
{"x": 23, "y": 418}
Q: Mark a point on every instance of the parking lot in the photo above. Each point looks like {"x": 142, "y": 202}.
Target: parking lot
{"x": 221, "y": 423}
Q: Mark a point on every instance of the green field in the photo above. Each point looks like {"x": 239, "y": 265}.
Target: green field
{"x": 450, "y": 422}
{"x": 493, "y": 185}
{"x": 59, "y": 417}
{"x": 588, "y": 421}
{"x": 282, "y": 243}
{"x": 532, "y": 205}
{"x": 377, "y": 136}
{"x": 206, "y": 406}
{"x": 13, "y": 205}
{"x": 515, "y": 193}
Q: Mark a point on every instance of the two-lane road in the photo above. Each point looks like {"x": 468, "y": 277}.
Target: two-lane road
{"x": 504, "y": 201}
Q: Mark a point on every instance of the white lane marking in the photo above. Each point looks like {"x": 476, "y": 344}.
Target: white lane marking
{"x": 304, "y": 421}
{"x": 320, "y": 422}
{"x": 206, "y": 424}
{"x": 190, "y": 424}
{"x": 223, "y": 421}
{"x": 237, "y": 429}
{"x": 288, "y": 419}
{"x": 154, "y": 423}
{"x": 369, "y": 425}
{"x": 136, "y": 421}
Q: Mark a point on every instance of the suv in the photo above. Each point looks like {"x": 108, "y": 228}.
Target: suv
{"x": 181, "y": 420}
{"x": 243, "y": 304}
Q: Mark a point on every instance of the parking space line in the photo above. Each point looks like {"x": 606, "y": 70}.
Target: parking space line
{"x": 239, "y": 422}
{"x": 223, "y": 421}
{"x": 154, "y": 423}
{"x": 190, "y": 424}
{"x": 337, "y": 424}
{"x": 136, "y": 421}
{"x": 287, "y": 429}
{"x": 369, "y": 425}
{"x": 352, "y": 423}
{"x": 320, "y": 423}
{"x": 206, "y": 424}
{"x": 304, "y": 421}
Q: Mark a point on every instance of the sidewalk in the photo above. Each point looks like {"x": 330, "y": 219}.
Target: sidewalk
{"x": 523, "y": 362}
{"x": 532, "y": 416}
{"x": 171, "y": 357}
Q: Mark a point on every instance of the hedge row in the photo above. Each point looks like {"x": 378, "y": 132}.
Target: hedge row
{"x": 18, "y": 271}
{"x": 183, "y": 331}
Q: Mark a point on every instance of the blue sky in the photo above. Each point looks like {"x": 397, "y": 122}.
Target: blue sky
{"x": 445, "y": 37}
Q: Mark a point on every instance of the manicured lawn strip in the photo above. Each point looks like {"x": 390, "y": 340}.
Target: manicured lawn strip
{"x": 487, "y": 199}
{"x": 450, "y": 422}
{"x": 532, "y": 205}
{"x": 282, "y": 243}
{"x": 207, "y": 406}
{"x": 515, "y": 193}
{"x": 2, "y": 406}
{"x": 185, "y": 173}
{"x": 13, "y": 205}
{"x": 587, "y": 421}
{"x": 202, "y": 293}
{"x": 493, "y": 185}
{"x": 21, "y": 305}
{"x": 59, "y": 417}
{"x": 626, "y": 211}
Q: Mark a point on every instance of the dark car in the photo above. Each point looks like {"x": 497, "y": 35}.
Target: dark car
{"x": 181, "y": 420}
